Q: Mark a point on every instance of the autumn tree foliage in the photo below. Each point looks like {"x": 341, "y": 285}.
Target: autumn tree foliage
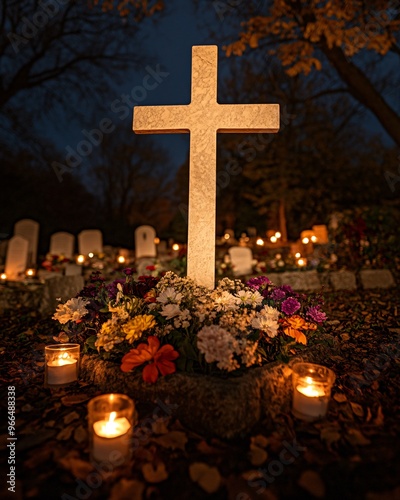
{"x": 321, "y": 160}
{"x": 304, "y": 34}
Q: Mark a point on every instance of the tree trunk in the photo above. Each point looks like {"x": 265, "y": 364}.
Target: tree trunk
{"x": 282, "y": 220}
{"x": 361, "y": 88}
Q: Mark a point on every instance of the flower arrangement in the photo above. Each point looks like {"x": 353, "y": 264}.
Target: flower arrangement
{"x": 171, "y": 323}
{"x": 54, "y": 263}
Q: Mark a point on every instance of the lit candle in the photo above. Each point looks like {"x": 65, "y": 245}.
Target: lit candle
{"x": 111, "y": 419}
{"x": 30, "y": 273}
{"x": 61, "y": 364}
{"x": 62, "y": 370}
{"x": 121, "y": 259}
{"x": 80, "y": 259}
{"x": 3, "y": 277}
{"x": 310, "y": 400}
{"x": 311, "y": 390}
{"x": 111, "y": 436}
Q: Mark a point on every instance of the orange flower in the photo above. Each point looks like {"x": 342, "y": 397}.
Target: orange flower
{"x": 293, "y": 325}
{"x": 162, "y": 359}
{"x": 150, "y": 296}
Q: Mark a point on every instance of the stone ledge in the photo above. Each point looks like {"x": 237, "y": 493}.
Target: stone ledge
{"x": 41, "y": 296}
{"x": 336, "y": 280}
{"x": 226, "y": 408}
{"x": 379, "y": 278}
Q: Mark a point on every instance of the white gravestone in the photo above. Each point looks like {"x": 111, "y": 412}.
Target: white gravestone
{"x": 29, "y": 229}
{"x": 17, "y": 257}
{"x": 203, "y": 118}
{"x": 144, "y": 242}
{"x": 90, "y": 241}
{"x": 241, "y": 260}
{"x": 62, "y": 244}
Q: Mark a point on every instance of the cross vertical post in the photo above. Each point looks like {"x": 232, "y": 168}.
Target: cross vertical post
{"x": 203, "y": 118}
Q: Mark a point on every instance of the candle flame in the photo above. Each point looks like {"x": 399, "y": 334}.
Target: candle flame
{"x": 64, "y": 359}
{"x": 110, "y": 424}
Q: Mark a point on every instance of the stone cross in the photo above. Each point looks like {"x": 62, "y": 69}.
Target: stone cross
{"x": 203, "y": 118}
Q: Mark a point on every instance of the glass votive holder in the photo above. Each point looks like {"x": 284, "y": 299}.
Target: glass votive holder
{"x": 312, "y": 386}
{"x": 112, "y": 418}
{"x": 61, "y": 364}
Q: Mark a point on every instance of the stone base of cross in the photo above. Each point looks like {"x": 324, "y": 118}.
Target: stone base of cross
{"x": 203, "y": 118}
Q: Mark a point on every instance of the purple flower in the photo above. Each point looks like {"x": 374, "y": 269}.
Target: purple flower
{"x": 315, "y": 314}
{"x": 96, "y": 277}
{"x": 258, "y": 282}
{"x": 88, "y": 291}
{"x": 286, "y": 288}
{"x": 128, "y": 271}
{"x": 112, "y": 288}
{"x": 290, "y": 306}
{"x": 278, "y": 294}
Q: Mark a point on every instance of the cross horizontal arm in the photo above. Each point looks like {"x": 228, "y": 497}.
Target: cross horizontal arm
{"x": 161, "y": 119}
{"x": 247, "y": 118}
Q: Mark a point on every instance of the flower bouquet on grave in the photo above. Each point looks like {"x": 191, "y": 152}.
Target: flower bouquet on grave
{"x": 170, "y": 324}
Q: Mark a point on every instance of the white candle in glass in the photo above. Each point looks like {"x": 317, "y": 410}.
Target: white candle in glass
{"x": 111, "y": 436}
{"x": 62, "y": 370}
{"x": 310, "y": 399}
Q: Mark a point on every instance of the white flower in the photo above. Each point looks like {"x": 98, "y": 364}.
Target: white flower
{"x": 243, "y": 297}
{"x": 224, "y": 302}
{"x": 255, "y": 299}
{"x": 271, "y": 312}
{"x": 266, "y": 324}
{"x": 72, "y": 310}
{"x": 183, "y": 320}
{"x": 218, "y": 345}
{"x": 170, "y": 311}
{"x": 169, "y": 295}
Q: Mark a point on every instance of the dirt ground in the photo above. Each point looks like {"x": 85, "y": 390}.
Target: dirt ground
{"x": 354, "y": 453}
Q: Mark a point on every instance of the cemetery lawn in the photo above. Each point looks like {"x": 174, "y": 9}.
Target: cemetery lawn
{"x": 352, "y": 454}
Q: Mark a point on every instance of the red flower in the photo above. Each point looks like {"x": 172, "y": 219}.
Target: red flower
{"x": 161, "y": 359}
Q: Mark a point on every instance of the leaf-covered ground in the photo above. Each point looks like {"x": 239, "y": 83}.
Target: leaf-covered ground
{"x": 352, "y": 454}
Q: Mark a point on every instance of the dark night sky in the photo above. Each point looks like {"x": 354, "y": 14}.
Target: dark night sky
{"x": 167, "y": 40}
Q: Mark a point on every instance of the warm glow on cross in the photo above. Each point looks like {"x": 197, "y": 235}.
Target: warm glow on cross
{"x": 203, "y": 118}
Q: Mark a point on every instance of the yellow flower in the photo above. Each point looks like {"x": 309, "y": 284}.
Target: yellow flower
{"x": 135, "y": 327}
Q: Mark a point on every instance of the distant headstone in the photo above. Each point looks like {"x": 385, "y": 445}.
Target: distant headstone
{"x": 321, "y": 232}
{"x": 241, "y": 260}
{"x": 17, "y": 257}
{"x": 29, "y": 229}
{"x": 296, "y": 247}
{"x": 62, "y": 244}
{"x": 144, "y": 242}
{"x": 90, "y": 241}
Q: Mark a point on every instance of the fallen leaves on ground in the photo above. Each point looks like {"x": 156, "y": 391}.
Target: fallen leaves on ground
{"x": 359, "y": 434}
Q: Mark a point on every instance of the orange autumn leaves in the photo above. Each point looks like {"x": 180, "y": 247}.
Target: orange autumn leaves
{"x": 160, "y": 360}
{"x": 294, "y": 327}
